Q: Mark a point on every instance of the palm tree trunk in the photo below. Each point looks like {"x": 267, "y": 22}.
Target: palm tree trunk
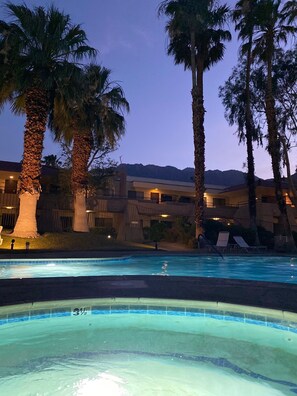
{"x": 249, "y": 124}
{"x": 82, "y": 146}
{"x": 36, "y": 104}
{"x": 292, "y": 188}
{"x": 199, "y": 148}
{"x": 274, "y": 149}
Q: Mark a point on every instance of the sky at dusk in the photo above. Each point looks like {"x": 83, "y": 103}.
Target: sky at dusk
{"x": 131, "y": 41}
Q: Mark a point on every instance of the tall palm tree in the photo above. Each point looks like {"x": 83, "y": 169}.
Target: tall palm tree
{"x": 37, "y": 49}
{"x": 244, "y": 18}
{"x": 90, "y": 113}
{"x": 196, "y": 34}
{"x": 272, "y": 27}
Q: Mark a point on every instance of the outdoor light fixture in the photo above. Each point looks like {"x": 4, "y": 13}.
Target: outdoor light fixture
{"x": 8, "y": 207}
{"x": 164, "y": 215}
{"x": 108, "y": 236}
{"x": 11, "y": 177}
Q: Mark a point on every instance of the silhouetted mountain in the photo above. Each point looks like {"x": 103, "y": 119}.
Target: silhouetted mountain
{"x": 223, "y": 178}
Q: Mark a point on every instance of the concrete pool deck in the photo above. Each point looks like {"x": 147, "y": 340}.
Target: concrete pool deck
{"x": 272, "y": 295}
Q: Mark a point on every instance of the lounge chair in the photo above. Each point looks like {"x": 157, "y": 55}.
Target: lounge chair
{"x": 1, "y": 240}
{"x": 222, "y": 241}
{"x": 246, "y": 247}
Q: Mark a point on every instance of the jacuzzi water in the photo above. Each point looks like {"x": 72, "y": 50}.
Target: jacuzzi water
{"x": 132, "y": 350}
{"x": 263, "y": 268}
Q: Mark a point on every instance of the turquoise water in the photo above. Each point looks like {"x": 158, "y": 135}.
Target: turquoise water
{"x": 263, "y": 268}
{"x": 141, "y": 354}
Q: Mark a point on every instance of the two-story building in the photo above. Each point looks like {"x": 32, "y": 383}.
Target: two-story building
{"x": 131, "y": 204}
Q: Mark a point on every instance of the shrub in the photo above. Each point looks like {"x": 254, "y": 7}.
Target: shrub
{"x": 157, "y": 231}
{"x": 266, "y": 237}
{"x": 182, "y": 231}
{"x": 212, "y": 229}
{"x": 105, "y": 231}
{"x": 246, "y": 233}
{"x": 192, "y": 243}
{"x": 171, "y": 235}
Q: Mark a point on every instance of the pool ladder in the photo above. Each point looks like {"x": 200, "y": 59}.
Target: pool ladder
{"x": 210, "y": 244}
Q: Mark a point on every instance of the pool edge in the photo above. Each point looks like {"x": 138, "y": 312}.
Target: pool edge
{"x": 270, "y": 295}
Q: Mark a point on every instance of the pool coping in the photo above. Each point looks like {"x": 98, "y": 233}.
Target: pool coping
{"x": 278, "y": 320}
{"x": 271, "y": 295}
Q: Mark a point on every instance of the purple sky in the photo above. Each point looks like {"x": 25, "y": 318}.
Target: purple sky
{"x": 131, "y": 41}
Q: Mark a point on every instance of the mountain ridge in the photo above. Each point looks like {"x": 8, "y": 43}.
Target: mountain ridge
{"x": 226, "y": 178}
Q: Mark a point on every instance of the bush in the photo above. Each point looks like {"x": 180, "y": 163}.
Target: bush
{"x": 212, "y": 229}
{"x": 267, "y": 237}
{"x": 246, "y": 233}
{"x": 157, "y": 231}
{"x": 192, "y": 243}
{"x": 171, "y": 235}
{"x": 105, "y": 231}
{"x": 182, "y": 231}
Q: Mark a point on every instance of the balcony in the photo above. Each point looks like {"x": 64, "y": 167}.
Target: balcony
{"x": 9, "y": 201}
{"x": 225, "y": 212}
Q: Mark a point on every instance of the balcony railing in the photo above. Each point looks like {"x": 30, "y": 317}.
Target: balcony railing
{"x": 9, "y": 201}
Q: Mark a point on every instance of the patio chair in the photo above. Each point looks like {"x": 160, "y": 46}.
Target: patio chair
{"x": 246, "y": 247}
{"x": 223, "y": 239}
{"x": 1, "y": 239}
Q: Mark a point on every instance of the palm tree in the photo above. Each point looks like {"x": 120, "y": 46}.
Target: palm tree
{"x": 90, "y": 113}
{"x": 37, "y": 49}
{"x": 244, "y": 18}
{"x": 52, "y": 161}
{"x": 196, "y": 36}
{"x": 272, "y": 27}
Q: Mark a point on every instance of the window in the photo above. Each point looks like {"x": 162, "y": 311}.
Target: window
{"x": 135, "y": 194}
{"x": 166, "y": 198}
{"x": 10, "y": 186}
{"x": 185, "y": 199}
{"x": 131, "y": 194}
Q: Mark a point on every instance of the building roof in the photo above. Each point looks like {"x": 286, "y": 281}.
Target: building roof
{"x": 260, "y": 183}
{"x": 170, "y": 183}
{"x": 8, "y": 166}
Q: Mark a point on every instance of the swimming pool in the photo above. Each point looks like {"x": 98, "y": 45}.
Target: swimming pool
{"x": 262, "y": 268}
{"x": 129, "y": 347}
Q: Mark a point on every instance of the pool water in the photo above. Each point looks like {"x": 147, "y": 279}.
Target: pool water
{"x": 132, "y": 353}
{"x": 263, "y": 268}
